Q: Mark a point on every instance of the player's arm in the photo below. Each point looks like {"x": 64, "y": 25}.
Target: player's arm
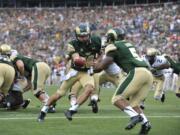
{"x": 164, "y": 65}
{"x": 103, "y": 64}
{"x": 77, "y": 60}
{"x": 109, "y": 58}
{"x": 20, "y": 67}
{"x": 174, "y": 65}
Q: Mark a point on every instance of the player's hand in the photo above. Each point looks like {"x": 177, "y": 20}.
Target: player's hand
{"x": 79, "y": 61}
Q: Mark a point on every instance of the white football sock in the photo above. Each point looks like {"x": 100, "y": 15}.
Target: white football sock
{"x": 144, "y": 118}
{"x": 130, "y": 111}
{"x": 74, "y": 107}
{"x": 73, "y": 100}
{"x": 45, "y": 109}
{"x": 94, "y": 97}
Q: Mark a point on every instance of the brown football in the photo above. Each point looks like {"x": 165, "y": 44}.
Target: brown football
{"x": 80, "y": 62}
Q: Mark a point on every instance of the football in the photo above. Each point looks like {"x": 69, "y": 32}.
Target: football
{"x": 80, "y": 61}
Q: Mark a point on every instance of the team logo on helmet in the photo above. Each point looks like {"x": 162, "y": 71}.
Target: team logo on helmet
{"x": 115, "y": 34}
{"x": 82, "y": 32}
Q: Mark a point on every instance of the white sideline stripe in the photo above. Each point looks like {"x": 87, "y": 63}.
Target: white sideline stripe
{"x": 87, "y": 117}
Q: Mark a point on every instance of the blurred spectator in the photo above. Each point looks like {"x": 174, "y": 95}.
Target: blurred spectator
{"x": 43, "y": 33}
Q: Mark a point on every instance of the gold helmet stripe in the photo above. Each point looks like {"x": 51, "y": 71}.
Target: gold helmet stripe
{"x": 113, "y": 32}
{"x": 78, "y": 31}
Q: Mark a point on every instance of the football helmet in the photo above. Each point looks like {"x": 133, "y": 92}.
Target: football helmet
{"x": 5, "y": 49}
{"x": 82, "y": 32}
{"x": 151, "y": 54}
{"x": 115, "y": 34}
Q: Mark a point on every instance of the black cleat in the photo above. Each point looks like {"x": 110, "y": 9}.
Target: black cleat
{"x": 52, "y": 109}
{"x": 41, "y": 116}
{"x": 142, "y": 107}
{"x": 163, "y": 98}
{"x": 69, "y": 114}
{"x": 134, "y": 120}
{"x": 178, "y": 95}
{"x": 145, "y": 128}
{"x": 25, "y": 103}
{"x": 89, "y": 104}
{"x": 94, "y": 106}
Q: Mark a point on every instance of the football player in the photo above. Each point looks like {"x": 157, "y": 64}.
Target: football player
{"x": 112, "y": 74}
{"x": 176, "y": 69}
{"x": 35, "y": 71}
{"x": 7, "y": 71}
{"x": 82, "y": 51}
{"x": 14, "y": 100}
{"x": 157, "y": 63}
{"x": 136, "y": 84}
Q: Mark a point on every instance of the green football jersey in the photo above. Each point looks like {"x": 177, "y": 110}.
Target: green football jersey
{"x": 125, "y": 55}
{"x": 89, "y": 50}
{"x": 28, "y": 62}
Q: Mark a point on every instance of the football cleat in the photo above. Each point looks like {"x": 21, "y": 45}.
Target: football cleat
{"x": 89, "y": 104}
{"x": 163, "y": 98}
{"x": 41, "y": 116}
{"x": 134, "y": 120}
{"x": 142, "y": 106}
{"x": 145, "y": 128}
{"x": 26, "y": 103}
{"x": 52, "y": 109}
{"x": 69, "y": 114}
{"x": 94, "y": 106}
{"x": 178, "y": 95}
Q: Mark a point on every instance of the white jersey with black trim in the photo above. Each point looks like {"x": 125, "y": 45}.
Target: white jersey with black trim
{"x": 159, "y": 61}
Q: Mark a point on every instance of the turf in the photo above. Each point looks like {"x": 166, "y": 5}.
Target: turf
{"x": 164, "y": 117}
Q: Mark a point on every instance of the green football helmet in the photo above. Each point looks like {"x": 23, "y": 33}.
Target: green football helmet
{"x": 82, "y": 32}
{"x": 115, "y": 34}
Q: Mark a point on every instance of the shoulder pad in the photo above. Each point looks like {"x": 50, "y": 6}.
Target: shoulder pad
{"x": 70, "y": 48}
{"x": 110, "y": 47}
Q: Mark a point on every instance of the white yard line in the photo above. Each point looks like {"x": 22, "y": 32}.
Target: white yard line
{"x": 86, "y": 117}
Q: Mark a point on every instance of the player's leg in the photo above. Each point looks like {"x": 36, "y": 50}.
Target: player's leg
{"x": 178, "y": 87}
{"x": 135, "y": 102}
{"x": 159, "y": 93}
{"x": 74, "y": 92}
{"x": 7, "y": 74}
{"x": 129, "y": 87}
{"x": 87, "y": 82}
{"x": 67, "y": 84}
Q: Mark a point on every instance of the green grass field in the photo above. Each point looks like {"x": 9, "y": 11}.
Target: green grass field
{"x": 165, "y": 118}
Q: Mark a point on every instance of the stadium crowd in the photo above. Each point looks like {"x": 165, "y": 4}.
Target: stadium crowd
{"x": 43, "y": 33}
